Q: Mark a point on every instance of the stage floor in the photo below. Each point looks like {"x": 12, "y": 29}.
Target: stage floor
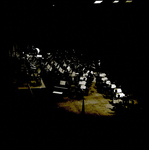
{"x": 34, "y": 87}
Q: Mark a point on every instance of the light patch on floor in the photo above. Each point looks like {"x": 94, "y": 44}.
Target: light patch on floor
{"x": 94, "y": 104}
{"x": 71, "y": 106}
{"x": 98, "y": 107}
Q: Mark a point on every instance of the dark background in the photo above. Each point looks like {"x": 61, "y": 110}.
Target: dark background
{"x": 114, "y": 33}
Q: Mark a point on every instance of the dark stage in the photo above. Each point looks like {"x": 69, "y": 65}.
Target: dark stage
{"x": 115, "y": 34}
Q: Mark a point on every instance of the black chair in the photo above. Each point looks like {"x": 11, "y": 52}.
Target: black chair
{"x": 86, "y": 91}
{"x": 72, "y": 92}
{"x": 79, "y": 94}
{"x": 98, "y": 80}
{"x": 110, "y": 93}
{"x": 107, "y": 91}
{"x": 100, "y": 87}
{"x": 125, "y": 101}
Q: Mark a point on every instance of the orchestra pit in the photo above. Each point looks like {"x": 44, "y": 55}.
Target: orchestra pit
{"x": 63, "y": 92}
